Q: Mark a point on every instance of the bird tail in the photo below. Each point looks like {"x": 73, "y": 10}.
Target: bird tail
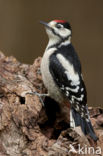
{"x": 86, "y": 126}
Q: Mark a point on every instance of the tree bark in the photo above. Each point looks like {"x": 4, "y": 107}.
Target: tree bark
{"x": 25, "y": 128}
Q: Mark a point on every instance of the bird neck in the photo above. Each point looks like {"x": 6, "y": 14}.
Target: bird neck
{"x": 57, "y": 43}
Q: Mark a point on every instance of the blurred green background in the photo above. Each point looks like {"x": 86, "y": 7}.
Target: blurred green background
{"x": 22, "y": 36}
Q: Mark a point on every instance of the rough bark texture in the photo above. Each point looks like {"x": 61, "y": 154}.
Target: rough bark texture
{"x": 25, "y": 129}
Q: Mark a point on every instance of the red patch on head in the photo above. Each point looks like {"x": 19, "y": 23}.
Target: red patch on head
{"x": 60, "y": 21}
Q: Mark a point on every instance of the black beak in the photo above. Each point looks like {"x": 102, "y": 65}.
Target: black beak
{"x": 45, "y": 24}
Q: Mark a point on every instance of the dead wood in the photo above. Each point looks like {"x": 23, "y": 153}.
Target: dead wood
{"x": 25, "y": 127}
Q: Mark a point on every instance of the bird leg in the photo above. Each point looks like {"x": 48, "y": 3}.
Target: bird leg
{"x": 39, "y": 95}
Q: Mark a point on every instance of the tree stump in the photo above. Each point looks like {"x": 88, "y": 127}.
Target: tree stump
{"x": 25, "y": 129}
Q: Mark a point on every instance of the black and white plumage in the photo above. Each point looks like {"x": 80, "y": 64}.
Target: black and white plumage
{"x": 61, "y": 73}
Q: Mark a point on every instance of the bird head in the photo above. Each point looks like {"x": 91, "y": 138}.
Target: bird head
{"x": 58, "y": 29}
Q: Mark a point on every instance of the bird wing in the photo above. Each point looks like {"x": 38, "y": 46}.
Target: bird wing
{"x": 68, "y": 80}
{"x": 72, "y": 86}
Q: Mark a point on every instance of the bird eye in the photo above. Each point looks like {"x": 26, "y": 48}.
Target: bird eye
{"x": 59, "y": 26}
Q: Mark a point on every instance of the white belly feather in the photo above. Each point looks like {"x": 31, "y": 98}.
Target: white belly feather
{"x": 49, "y": 83}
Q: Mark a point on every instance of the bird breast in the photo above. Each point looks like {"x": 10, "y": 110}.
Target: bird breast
{"x": 49, "y": 83}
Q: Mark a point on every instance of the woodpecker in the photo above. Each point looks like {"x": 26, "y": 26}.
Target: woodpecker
{"x": 62, "y": 75}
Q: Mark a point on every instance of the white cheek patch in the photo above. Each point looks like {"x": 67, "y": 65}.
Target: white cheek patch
{"x": 64, "y": 32}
